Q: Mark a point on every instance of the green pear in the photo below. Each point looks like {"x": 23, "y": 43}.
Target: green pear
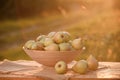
{"x": 41, "y": 38}
{"x": 85, "y": 62}
{"x": 52, "y": 47}
{"x": 34, "y": 46}
{"x": 58, "y": 37}
{"x": 40, "y": 45}
{"x": 51, "y": 34}
{"x": 61, "y": 67}
{"x": 92, "y": 63}
{"x": 72, "y": 48}
{"x": 29, "y": 43}
{"x": 80, "y": 67}
{"x": 65, "y": 47}
{"x": 37, "y": 46}
{"x": 76, "y": 43}
{"x": 66, "y": 36}
{"x": 62, "y": 36}
{"x": 70, "y": 41}
{"x": 48, "y": 41}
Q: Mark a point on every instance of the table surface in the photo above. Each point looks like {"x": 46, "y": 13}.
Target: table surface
{"x": 31, "y": 70}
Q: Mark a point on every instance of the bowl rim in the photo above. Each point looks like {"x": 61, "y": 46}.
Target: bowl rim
{"x": 50, "y": 51}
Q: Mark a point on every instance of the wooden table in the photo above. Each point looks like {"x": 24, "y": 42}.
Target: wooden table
{"x": 31, "y": 70}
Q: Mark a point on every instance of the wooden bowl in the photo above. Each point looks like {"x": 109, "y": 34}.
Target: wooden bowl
{"x": 49, "y": 58}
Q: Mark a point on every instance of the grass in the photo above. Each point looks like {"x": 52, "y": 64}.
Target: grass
{"x": 15, "y": 25}
{"x": 101, "y": 37}
{"x": 18, "y": 53}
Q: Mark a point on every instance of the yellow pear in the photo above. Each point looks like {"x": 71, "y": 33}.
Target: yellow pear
{"x": 67, "y": 36}
{"x": 59, "y": 37}
{"x": 92, "y": 63}
{"x": 76, "y": 43}
{"x": 48, "y": 41}
{"x": 80, "y": 67}
{"x": 52, "y": 47}
{"x": 65, "y": 47}
{"x": 29, "y": 43}
{"x": 61, "y": 67}
{"x": 51, "y": 34}
{"x": 37, "y": 46}
{"x": 41, "y": 38}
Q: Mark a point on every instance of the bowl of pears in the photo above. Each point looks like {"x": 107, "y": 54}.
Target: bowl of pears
{"x": 53, "y": 47}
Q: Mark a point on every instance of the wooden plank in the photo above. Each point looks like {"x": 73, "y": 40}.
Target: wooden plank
{"x": 108, "y": 71}
{"x": 21, "y": 77}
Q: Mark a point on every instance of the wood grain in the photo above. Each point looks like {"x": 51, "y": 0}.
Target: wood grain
{"x": 106, "y": 71}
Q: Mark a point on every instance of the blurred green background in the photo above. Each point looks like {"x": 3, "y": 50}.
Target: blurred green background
{"x": 97, "y": 22}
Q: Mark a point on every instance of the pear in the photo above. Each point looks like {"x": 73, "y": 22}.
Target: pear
{"x": 34, "y": 46}
{"x": 37, "y": 46}
{"x": 41, "y": 38}
{"x": 52, "y": 47}
{"x": 92, "y": 63}
{"x": 40, "y": 46}
{"x": 58, "y": 37}
{"x": 70, "y": 41}
{"x": 65, "y": 47}
{"x": 61, "y": 67}
{"x": 48, "y": 41}
{"x": 62, "y": 36}
{"x": 51, "y": 34}
{"x": 72, "y": 48}
{"x": 80, "y": 67}
{"x": 76, "y": 43}
{"x": 85, "y": 62}
{"x": 66, "y": 36}
{"x": 29, "y": 43}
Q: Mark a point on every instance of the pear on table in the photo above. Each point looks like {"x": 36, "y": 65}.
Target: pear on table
{"x": 61, "y": 67}
{"x": 92, "y": 63}
{"x": 80, "y": 67}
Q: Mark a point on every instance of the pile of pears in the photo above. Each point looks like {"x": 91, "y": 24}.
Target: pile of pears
{"x": 81, "y": 67}
{"x": 54, "y": 41}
